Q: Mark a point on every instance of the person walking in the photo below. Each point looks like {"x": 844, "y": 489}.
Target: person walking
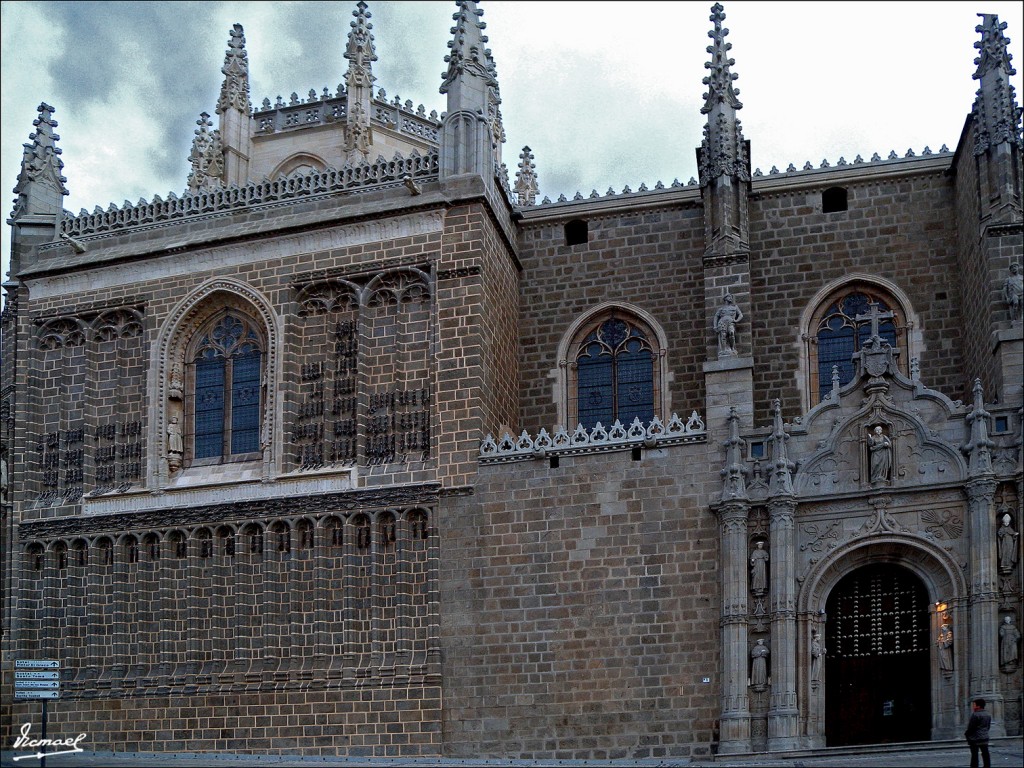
{"x": 977, "y": 733}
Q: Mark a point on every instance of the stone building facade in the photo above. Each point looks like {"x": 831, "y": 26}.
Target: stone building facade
{"x": 346, "y": 455}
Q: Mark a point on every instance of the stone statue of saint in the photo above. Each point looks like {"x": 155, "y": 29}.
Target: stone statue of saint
{"x": 1007, "y": 545}
{"x": 726, "y": 318}
{"x": 759, "y": 569}
{"x": 1013, "y": 292}
{"x": 1009, "y": 636}
{"x": 759, "y": 665}
{"x": 817, "y": 651}
{"x": 945, "y": 645}
{"x": 880, "y": 448}
{"x": 174, "y": 441}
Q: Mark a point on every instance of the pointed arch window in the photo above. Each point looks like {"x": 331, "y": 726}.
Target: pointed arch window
{"x": 841, "y": 326}
{"x": 615, "y": 366}
{"x": 226, "y": 361}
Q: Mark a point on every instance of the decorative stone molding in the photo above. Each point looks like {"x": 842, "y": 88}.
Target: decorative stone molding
{"x": 598, "y": 440}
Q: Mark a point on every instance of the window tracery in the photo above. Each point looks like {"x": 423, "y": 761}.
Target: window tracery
{"x": 614, "y": 363}
{"x": 841, "y": 325}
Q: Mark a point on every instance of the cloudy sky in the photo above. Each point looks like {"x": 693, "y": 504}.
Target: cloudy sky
{"x": 607, "y": 94}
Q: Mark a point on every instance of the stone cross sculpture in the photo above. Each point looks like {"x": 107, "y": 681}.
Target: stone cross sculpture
{"x": 726, "y": 319}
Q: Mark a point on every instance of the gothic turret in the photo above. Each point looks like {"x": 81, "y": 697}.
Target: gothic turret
{"x": 234, "y": 109}
{"x": 206, "y": 157}
{"x": 723, "y": 159}
{"x": 359, "y": 84}
{"x": 472, "y": 132}
{"x": 997, "y": 125}
{"x": 39, "y": 205}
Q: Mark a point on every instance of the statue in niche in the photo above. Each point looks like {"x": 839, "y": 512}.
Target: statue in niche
{"x": 1009, "y": 636}
{"x": 1013, "y": 293}
{"x": 945, "y": 645}
{"x": 726, "y": 319}
{"x": 176, "y": 383}
{"x": 1007, "y": 545}
{"x": 175, "y": 444}
{"x": 759, "y": 569}
{"x": 817, "y": 651}
{"x": 3, "y": 477}
{"x": 759, "y": 666}
{"x": 880, "y": 455}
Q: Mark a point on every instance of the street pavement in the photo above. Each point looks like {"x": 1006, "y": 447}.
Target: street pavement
{"x": 1006, "y": 753}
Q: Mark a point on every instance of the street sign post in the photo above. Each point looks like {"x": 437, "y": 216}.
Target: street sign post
{"x": 37, "y": 679}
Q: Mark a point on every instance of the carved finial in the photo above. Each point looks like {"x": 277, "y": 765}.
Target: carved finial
{"x": 734, "y": 473}
{"x": 234, "y": 91}
{"x": 979, "y": 448}
{"x": 206, "y": 157}
{"x": 723, "y": 150}
{"x": 526, "y": 178}
{"x": 720, "y": 79}
{"x": 781, "y": 483}
{"x": 360, "y": 50}
{"x": 993, "y": 47}
{"x": 40, "y": 189}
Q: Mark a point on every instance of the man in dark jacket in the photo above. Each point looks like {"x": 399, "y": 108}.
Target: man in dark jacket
{"x": 977, "y": 733}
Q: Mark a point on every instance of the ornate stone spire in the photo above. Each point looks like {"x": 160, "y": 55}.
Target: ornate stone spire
{"x": 206, "y": 157}
{"x": 471, "y": 84}
{"x": 526, "y": 179}
{"x": 979, "y": 448}
{"x": 359, "y": 81}
{"x": 997, "y": 123}
{"x": 234, "y": 91}
{"x": 723, "y": 151}
{"x": 40, "y": 189}
{"x": 734, "y": 485}
{"x": 723, "y": 159}
{"x": 781, "y": 483}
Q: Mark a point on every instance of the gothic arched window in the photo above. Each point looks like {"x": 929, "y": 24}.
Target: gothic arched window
{"x": 842, "y": 325}
{"x": 226, "y": 360}
{"x": 615, "y": 366}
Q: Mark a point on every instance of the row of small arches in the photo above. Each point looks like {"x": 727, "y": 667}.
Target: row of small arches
{"x": 333, "y": 532}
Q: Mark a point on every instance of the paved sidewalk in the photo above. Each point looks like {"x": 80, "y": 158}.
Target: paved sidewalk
{"x": 1006, "y": 753}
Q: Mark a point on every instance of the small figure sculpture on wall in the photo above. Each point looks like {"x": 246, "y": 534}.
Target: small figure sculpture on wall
{"x": 817, "y": 651}
{"x": 945, "y": 645}
{"x": 759, "y": 666}
{"x": 176, "y": 384}
{"x": 880, "y": 458}
{"x": 759, "y": 569}
{"x": 1009, "y": 637}
{"x": 1013, "y": 293}
{"x": 1007, "y": 545}
{"x": 175, "y": 444}
{"x": 726, "y": 319}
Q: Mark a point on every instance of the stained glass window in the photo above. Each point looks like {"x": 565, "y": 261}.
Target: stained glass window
{"x": 614, "y": 375}
{"x": 226, "y": 406}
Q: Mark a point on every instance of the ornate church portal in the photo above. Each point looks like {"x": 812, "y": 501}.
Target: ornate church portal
{"x": 877, "y": 664}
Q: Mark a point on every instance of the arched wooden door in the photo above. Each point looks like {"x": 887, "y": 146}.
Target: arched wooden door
{"x": 877, "y": 642}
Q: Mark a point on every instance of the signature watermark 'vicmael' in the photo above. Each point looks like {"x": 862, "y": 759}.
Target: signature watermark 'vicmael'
{"x": 25, "y": 741}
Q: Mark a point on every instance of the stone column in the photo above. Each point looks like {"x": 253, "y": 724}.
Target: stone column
{"x": 735, "y": 717}
{"x": 783, "y": 714}
{"x": 982, "y": 651}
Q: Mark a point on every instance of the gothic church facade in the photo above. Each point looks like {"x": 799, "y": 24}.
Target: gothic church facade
{"x": 347, "y": 455}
